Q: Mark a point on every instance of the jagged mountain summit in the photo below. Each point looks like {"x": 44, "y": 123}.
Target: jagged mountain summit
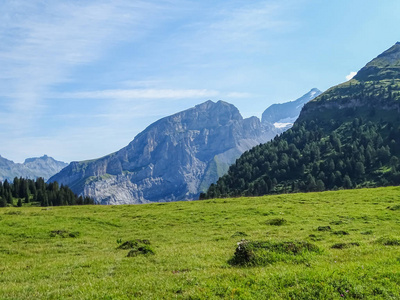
{"x": 32, "y": 168}
{"x": 347, "y": 137}
{"x": 173, "y": 159}
{"x": 283, "y": 115}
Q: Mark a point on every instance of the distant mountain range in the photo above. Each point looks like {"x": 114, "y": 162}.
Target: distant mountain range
{"x": 174, "y": 158}
{"x": 347, "y": 137}
{"x": 32, "y": 168}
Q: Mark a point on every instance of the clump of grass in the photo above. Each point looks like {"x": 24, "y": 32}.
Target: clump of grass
{"x": 256, "y": 253}
{"x": 132, "y": 244}
{"x": 277, "y": 222}
{"x": 65, "y": 233}
{"x": 269, "y": 213}
{"x": 314, "y": 237}
{"x": 143, "y": 249}
{"x": 324, "y": 228}
{"x": 396, "y": 207}
{"x": 388, "y": 241}
{"x": 345, "y": 245}
{"x": 239, "y": 233}
{"x": 337, "y": 222}
{"x": 367, "y": 232}
{"x": 340, "y": 232}
{"x": 137, "y": 247}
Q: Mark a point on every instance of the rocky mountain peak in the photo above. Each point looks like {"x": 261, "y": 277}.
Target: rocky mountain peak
{"x": 174, "y": 158}
{"x": 32, "y": 159}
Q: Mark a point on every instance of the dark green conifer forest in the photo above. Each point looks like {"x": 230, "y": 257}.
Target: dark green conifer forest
{"x": 305, "y": 159}
{"x": 38, "y": 192}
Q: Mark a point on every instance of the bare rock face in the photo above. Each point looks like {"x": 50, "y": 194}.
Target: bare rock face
{"x": 173, "y": 159}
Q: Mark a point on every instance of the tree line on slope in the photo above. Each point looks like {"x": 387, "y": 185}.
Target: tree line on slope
{"x": 40, "y": 192}
{"x": 305, "y": 159}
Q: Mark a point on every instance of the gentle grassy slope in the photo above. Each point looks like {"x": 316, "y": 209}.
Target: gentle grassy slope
{"x": 193, "y": 242}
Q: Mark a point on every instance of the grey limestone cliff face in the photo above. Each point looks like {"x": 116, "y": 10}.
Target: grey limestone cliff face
{"x": 173, "y": 159}
{"x": 32, "y": 168}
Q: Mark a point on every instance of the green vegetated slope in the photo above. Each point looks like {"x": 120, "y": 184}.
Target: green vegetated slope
{"x": 347, "y": 137}
{"x": 329, "y": 245}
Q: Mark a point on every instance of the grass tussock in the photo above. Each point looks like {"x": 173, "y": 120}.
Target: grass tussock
{"x": 64, "y": 233}
{"x": 388, "y": 241}
{"x": 239, "y": 234}
{"x": 324, "y": 228}
{"x": 140, "y": 249}
{"x": 137, "y": 247}
{"x": 133, "y": 244}
{"x": 340, "y": 232}
{"x": 277, "y": 222}
{"x": 345, "y": 245}
{"x": 396, "y": 207}
{"x": 256, "y": 253}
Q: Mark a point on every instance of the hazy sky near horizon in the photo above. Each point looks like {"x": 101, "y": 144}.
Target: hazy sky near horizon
{"x": 79, "y": 79}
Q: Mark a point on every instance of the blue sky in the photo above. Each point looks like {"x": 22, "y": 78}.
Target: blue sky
{"x": 79, "y": 79}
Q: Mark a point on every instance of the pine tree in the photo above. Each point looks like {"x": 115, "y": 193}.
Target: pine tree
{"x": 9, "y": 197}
{"x": 15, "y": 187}
{"x": 347, "y": 184}
{"x": 27, "y": 200}
{"x": 320, "y": 185}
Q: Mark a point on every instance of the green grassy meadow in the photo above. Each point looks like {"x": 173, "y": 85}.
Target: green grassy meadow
{"x": 71, "y": 252}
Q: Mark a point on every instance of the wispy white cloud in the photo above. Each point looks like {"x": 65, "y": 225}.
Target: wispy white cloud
{"x": 142, "y": 94}
{"x": 351, "y": 75}
{"x": 43, "y": 41}
{"x": 242, "y": 23}
{"x": 241, "y": 27}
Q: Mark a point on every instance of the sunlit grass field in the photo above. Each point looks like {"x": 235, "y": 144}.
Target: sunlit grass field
{"x": 71, "y": 252}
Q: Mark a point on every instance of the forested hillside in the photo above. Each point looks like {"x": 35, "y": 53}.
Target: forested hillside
{"x": 348, "y": 137}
